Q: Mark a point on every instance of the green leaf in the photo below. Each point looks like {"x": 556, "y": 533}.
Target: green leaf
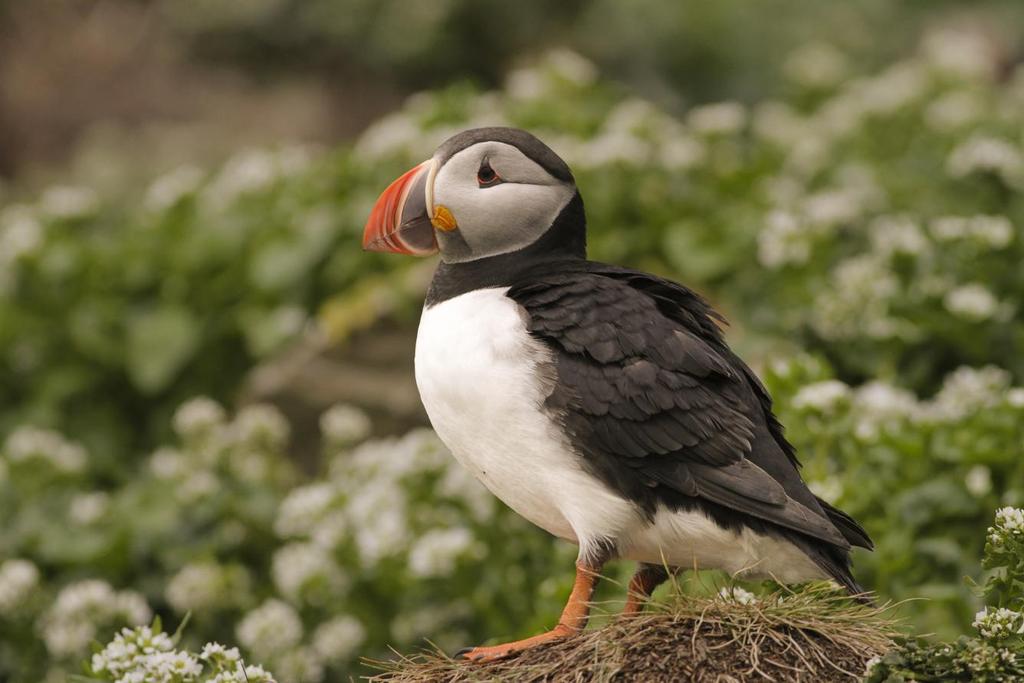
{"x": 160, "y": 342}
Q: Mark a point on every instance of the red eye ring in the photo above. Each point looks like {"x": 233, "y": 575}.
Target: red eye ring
{"x": 487, "y": 176}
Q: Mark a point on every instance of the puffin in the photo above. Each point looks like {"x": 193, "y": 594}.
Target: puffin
{"x": 601, "y": 403}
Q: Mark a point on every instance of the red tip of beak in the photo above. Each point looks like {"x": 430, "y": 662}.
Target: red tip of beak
{"x": 399, "y": 222}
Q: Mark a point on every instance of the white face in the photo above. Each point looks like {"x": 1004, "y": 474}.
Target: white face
{"x": 501, "y": 201}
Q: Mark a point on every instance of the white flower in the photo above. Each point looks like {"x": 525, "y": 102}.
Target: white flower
{"x": 992, "y": 231}
{"x": 458, "y": 483}
{"x": 983, "y": 153}
{"x": 857, "y": 302}
{"x": 21, "y": 233}
{"x": 737, "y": 594}
{"x": 571, "y": 66}
{"x": 972, "y": 302}
{"x": 897, "y": 234}
{"x": 271, "y": 628}
{"x": 260, "y": 424}
{"x": 303, "y": 508}
{"x": 130, "y": 652}
{"x": 66, "y": 201}
{"x": 306, "y": 571}
{"x": 784, "y": 240}
{"x": 167, "y": 463}
{"x": 396, "y": 134}
{"x": 610, "y": 147}
{"x": 218, "y": 653}
{"x": 87, "y": 508}
{"x": 299, "y": 665}
{"x": 821, "y": 396}
{"x": 1010, "y": 519}
{"x": 198, "y": 485}
{"x": 1015, "y": 397}
{"x": 18, "y": 581}
{"x": 816, "y": 65}
{"x": 779, "y": 124}
{"x": 195, "y": 587}
{"x": 978, "y": 480}
{"x": 247, "y": 171}
{"x": 968, "y": 54}
{"x": 967, "y": 390}
{"x": 344, "y": 424}
{"x": 871, "y": 664}
{"x": 436, "y": 552}
{"x": 877, "y": 405}
{"x": 168, "y": 189}
{"x": 26, "y": 443}
{"x": 198, "y": 417}
{"x": 999, "y": 623}
{"x": 80, "y": 608}
{"x": 892, "y": 90}
{"x": 338, "y": 639}
{"x": 680, "y": 152}
{"x": 720, "y": 118}
{"x": 953, "y": 110}
{"x": 382, "y": 537}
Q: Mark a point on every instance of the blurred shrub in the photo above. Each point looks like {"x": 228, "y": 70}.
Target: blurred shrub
{"x": 921, "y": 475}
{"x": 886, "y": 210}
{"x": 996, "y": 654}
{"x": 384, "y": 549}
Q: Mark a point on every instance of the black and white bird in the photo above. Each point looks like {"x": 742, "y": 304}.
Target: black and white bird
{"x": 598, "y": 402}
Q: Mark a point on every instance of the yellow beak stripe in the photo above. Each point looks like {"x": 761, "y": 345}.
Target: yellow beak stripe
{"x": 443, "y": 219}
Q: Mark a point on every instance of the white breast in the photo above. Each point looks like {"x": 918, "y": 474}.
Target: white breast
{"x": 481, "y": 379}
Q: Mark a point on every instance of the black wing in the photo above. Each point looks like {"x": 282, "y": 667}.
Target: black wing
{"x": 659, "y": 406}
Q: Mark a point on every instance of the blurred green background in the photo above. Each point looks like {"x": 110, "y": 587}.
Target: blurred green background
{"x": 206, "y": 395}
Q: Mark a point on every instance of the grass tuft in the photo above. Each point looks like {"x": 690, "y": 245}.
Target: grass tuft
{"x": 815, "y": 634}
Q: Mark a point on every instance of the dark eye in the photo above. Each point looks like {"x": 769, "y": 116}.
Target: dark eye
{"x": 486, "y": 176}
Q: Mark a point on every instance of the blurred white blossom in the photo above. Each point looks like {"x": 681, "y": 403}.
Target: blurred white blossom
{"x": 436, "y": 552}
{"x": 339, "y": 638}
{"x": 344, "y": 424}
{"x": 978, "y": 480}
{"x": 18, "y": 581}
{"x": 87, "y": 508}
{"x": 67, "y": 201}
{"x": 816, "y": 65}
{"x": 992, "y": 231}
{"x": 271, "y": 628}
{"x": 719, "y": 118}
{"x": 198, "y": 417}
{"x": 303, "y": 508}
{"x": 81, "y": 608}
{"x": 170, "y": 188}
{"x": 984, "y": 153}
{"x": 972, "y": 301}
{"x": 821, "y": 396}
{"x": 307, "y": 572}
{"x": 31, "y": 443}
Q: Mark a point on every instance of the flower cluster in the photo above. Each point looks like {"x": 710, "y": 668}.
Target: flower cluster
{"x": 148, "y": 655}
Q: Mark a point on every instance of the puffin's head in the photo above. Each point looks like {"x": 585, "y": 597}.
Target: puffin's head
{"x": 485, "y": 192}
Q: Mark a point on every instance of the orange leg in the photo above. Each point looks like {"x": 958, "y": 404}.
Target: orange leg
{"x": 573, "y": 620}
{"x": 644, "y": 581}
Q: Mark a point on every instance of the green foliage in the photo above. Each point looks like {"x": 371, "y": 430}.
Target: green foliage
{"x": 922, "y": 475}
{"x": 873, "y": 221}
{"x": 996, "y": 654}
{"x": 383, "y": 549}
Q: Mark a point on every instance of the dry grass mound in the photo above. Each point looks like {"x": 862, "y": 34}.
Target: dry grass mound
{"x": 812, "y": 635}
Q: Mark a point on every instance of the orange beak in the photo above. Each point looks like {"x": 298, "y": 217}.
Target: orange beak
{"x": 400, "y": 220}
